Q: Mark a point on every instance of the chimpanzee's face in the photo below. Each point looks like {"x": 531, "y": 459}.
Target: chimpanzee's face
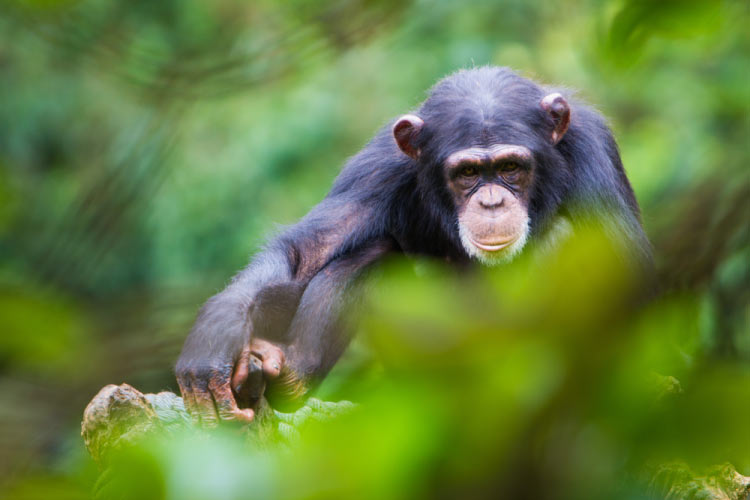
{"x": 490, "y": 185}
{"x": 490, "y": 189}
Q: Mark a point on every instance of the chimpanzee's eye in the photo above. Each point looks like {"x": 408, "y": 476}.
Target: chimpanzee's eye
{"x": 509, "y": 167}
{"x": 468, "y": 171}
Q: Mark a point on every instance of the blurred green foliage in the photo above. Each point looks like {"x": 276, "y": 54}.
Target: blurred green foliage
{"x": 148, "y": 148}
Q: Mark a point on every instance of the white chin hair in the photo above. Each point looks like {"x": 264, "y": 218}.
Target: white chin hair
{"x": 493, "y": 258}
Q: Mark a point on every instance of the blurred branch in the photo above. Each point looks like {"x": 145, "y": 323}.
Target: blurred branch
{"x": 121, "y": 416}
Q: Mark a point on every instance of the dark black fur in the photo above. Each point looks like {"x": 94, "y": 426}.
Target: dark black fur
{"x": 384, "y": 201}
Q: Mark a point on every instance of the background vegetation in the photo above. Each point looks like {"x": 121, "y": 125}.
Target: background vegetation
{"x": 148, "y": 148}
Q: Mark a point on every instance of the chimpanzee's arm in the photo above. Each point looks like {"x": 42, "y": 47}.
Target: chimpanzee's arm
{"x": 317, "y": 335}
{"x": 226, "y": 322}
{"x": 216, "y": 340}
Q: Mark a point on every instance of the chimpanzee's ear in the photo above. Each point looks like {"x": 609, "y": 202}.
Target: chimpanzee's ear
{"x": 557, "y": 108}
{"x": 405, "y": 131}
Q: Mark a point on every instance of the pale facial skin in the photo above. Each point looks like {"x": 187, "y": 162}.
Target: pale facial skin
{"x": 490, "y": 185}
{"x": 490, "y": 188}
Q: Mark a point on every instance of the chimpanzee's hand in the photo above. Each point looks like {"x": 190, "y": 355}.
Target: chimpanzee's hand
{"x": 260, "y": 362}
{"x": 212, "y": 394}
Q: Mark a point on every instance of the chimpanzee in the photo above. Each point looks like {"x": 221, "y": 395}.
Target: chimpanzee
{"x": 489, "y": 165}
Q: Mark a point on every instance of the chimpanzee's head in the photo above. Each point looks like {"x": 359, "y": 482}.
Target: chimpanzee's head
{"x": 484, "y": 143}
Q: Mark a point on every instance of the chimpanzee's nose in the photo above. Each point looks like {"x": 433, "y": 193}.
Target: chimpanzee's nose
{"x": 490, "y": 197}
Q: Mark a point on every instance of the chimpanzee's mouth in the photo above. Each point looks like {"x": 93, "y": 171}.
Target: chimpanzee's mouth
{"x": 493, "y": 246}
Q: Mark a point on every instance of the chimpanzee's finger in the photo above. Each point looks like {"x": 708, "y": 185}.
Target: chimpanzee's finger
{"x": 254, "y": 385}
{"x": 204, "y": 403}
{"x": 272, "y": 357}
{"x": 226, "y": 404}
{"x": 241, "y": 370}
{"x": 188, "y": 398}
